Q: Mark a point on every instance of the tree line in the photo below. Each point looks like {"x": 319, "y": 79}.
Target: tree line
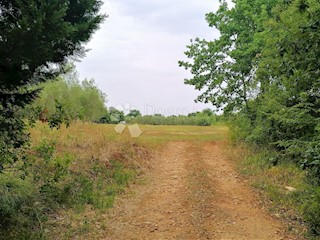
{"x": 204, "y": 118}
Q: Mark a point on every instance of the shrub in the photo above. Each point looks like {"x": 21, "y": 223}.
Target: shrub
{"x": 204, "y": 122}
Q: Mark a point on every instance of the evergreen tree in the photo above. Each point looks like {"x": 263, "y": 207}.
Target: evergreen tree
{"x": 37, "y": 37}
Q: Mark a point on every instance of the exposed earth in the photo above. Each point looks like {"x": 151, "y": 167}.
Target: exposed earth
{"x": 192, "y": 192}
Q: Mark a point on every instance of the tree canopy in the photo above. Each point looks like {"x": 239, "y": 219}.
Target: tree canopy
{"x": 79, "y": 100}
{"x": 224, "y": 69}
{"x": 37, "y": 38}
{"x": 265, "y": 68}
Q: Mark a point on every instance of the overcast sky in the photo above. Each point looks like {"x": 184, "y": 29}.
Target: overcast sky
{"x": 134, "y": 56}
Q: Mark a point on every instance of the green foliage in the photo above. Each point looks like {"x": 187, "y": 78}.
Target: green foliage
{"x": 116, "y": 115}
{"x": 106, "y": 118}
{"x": 204, "y": 122}
{"x": 67, "y": 99}
{"x": 264, "y": 68}
{"x": 15, "y": 193}
{"x": 59, "y": 116}
{"x": 225, "y": 68}
{"x": 49, "y": 171}
{"x": 113, "y": 116}
{"x": 200, "y": 120}
{"x": 37, "y": 39}
{"x": 263, "y": 71}
{"x": 52, "y": 184}
{"x": 133, "y": 113}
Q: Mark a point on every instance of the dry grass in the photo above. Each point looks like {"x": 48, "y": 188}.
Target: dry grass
{"x": 99, "y": 155}
{"x": 92, "y": 137}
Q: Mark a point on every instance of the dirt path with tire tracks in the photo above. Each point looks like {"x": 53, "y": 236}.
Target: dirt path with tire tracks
{"x": 192, "y": 192}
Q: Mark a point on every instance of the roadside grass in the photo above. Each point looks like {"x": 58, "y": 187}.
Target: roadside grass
{"x": 284, "y": 187}
{"x": 71, "y": 173}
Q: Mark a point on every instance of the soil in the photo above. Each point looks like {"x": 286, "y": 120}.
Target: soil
{"x": 192, "y": 192}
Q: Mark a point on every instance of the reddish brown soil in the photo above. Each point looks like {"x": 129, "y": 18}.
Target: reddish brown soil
{"x": 192, "y": 192}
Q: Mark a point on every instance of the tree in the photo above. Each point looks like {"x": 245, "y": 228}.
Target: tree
{"x": 224, "y": 69}
{"x": 37, "y": 38}
{"x": 265, "y": 66}
{"x": 116, "y": 116}
{"x": 289, "y": 70}
{"x": 80, "y": 100}
{"x": 134, "y": 113}
{"x": 207, "y": 111}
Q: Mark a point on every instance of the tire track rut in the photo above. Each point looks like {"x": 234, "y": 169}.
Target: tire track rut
{"x": 192, "y": 193}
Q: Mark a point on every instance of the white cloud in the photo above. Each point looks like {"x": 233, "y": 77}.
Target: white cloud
{"x": 134, "y": 55}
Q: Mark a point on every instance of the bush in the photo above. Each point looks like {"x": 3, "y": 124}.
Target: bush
{"x": 204, "y": 122}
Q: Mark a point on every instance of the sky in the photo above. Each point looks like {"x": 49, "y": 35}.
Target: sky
{"x": 134, "y": 55}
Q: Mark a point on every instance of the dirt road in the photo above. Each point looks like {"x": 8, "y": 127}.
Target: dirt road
{"x": 193, "y": 192}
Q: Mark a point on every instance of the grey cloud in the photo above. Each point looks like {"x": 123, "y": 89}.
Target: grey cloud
{"x": 177, "y": 16}
{"x": 134, "y": 56}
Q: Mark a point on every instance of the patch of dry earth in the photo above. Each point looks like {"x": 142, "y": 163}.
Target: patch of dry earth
{"x": 193, "y": 193}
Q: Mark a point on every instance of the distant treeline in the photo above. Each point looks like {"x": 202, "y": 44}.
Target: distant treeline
{"x": 205, "y": 118}
{"x": 67, "y": 99}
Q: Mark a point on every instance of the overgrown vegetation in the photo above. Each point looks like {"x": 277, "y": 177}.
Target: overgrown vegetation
{"x": 65, "y": 170}
{"x": 37, "y": 40}
{"x": 263, "y": 71}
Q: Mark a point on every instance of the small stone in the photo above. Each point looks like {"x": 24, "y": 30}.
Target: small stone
{"x": 290, "y": 189}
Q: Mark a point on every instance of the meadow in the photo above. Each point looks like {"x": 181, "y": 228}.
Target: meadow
{"x": 76, "y": 173}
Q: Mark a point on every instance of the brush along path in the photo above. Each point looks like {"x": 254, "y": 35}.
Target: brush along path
{"x": 193, "y": 193}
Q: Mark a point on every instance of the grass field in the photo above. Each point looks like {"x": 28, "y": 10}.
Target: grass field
{"x": 103, "y": 163}
{"x": 89, "y": 139}
{"x": 97, "y": 150}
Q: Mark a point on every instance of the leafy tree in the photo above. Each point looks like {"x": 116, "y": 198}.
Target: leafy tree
{"x": 106, "y": 118}
{"x": 134, "y": 113}
{"x": 78, "y": 100}
{"x": 207, "y": 112}
{"x": 265, "y": 65}
{"x": 116, "y": 116}
{"x": 264, "y": 71}
{"x": 37, "y": 38}
{"x": 224, "y": 69}
{"x": 289, "y": 68}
